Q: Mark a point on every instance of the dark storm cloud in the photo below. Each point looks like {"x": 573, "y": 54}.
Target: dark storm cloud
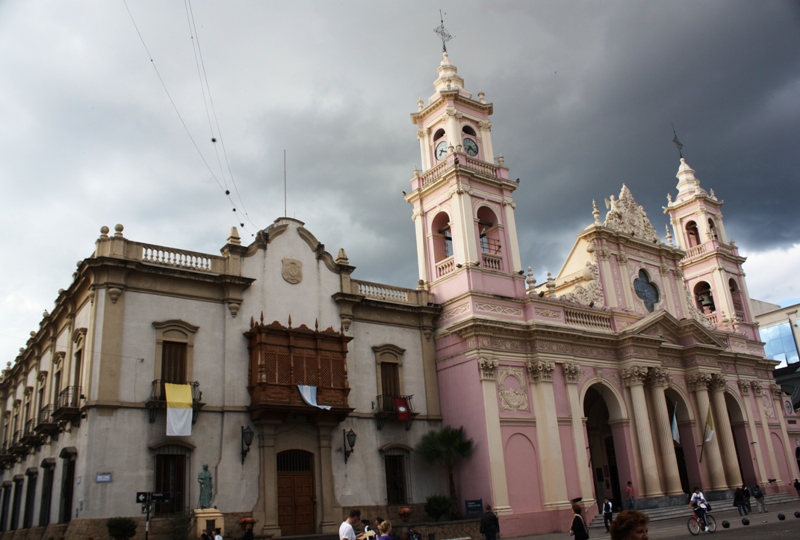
{"x": 584, "y": 96}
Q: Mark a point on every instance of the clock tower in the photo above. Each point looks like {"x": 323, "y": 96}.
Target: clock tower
{"x": 462, "y": 197}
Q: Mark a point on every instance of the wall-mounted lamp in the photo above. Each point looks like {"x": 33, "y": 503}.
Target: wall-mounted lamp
{"x": 247, "y": 440}
{"x": 349, "y": 440}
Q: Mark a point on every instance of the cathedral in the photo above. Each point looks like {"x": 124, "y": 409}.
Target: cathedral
{"x": 308, "y": 389}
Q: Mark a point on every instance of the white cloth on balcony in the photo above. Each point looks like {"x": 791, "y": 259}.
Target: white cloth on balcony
{"x": 309, "y": 395}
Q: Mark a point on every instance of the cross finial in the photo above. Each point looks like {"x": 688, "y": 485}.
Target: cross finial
{"x": 443, "y": 35}
{"x": 678, "y": 144}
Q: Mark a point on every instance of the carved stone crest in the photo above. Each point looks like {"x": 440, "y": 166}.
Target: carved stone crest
{"x": 292, "y": 271}
{"x": 625, "y": 216}
{"x": 512, "y": 399}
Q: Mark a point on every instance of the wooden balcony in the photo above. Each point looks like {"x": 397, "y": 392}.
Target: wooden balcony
{"x": 282, "y": 358}
{"x": 388, "y": 410}
{"x": 45, "y": 424}
{"x": 68, "y": 405}
{"x": 158, "y": 399}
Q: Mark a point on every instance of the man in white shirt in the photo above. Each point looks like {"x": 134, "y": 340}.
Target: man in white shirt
{"x": 608, "y": 514}
{"x": 346, "y": 531}
{"x": 218, "y": 534}
{"x": 698, "y": 503}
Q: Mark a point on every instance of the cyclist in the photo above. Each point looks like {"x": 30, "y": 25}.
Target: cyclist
{"x": 700, "y": 507}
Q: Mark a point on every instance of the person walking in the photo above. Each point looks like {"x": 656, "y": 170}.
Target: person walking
{"x": 746, "y": 492}
{"x": 797, "y": 486}
{"x": 759, "y": 495}
{"x": 629, "y": 493}
{"x": 578, "y": 529}
{"x": 608, "y": 514}
{"x": 738, "y": 502}
{"x": 490, "y": 526}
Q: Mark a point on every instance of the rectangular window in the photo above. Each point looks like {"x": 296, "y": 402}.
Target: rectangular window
{"x": 173, "y": 362}
{"x": 396, "y": 479}
{"x": 47, "y": 496}
{"x": 6, "y": 506}
{"x": 67, "y": 482}
{"x": 78, "y": 368}
{"x": 17, "y": 505}
{"x": 390, "y": 380}
{"x": 170, "y": 478}
{"x": 30, "y": 500}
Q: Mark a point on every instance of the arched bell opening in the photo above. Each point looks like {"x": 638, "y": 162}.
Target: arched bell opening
{"x": 704, "y": 298}
{"x": 490, "y": 239}
{"x": 692, "y": 234}
{"x": 736, "y": 298}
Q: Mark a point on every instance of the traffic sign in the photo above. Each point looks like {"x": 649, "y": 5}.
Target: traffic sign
{"x": 160, "y": 497}
{"x": 142, "y": 496}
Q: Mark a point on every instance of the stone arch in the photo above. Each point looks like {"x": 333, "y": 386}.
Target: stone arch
{"x": 441, "y": 236}
{"x": 524, "y": 482}
{"x": 609, "y": 439}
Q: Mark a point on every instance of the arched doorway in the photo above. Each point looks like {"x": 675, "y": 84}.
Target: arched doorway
{"x": 679, "y": 416}
{"x": 608, "y": 443}
{"x": 296, "y": 492}
{"x": 740, "y": 440}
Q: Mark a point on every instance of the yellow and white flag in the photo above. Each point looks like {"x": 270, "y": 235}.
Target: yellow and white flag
{"x": 179, "y": 409}
{"x": 709, "y": 426}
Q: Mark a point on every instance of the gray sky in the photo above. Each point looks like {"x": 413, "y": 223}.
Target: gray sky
{"x": 584, "y": 96}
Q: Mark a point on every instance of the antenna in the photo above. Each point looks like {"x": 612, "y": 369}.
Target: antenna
{"x": 445, "y": 37}
{"x": 678, "y": 144}
{"x": 285, "y": 213}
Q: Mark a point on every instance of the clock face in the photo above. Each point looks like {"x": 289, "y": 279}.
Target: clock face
{"x": 470, "y": 146}
{"x": 788, "y": 406}
{"x": 441, "y": 150}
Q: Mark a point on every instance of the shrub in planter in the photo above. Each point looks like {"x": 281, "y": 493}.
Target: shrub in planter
{"x": 438, "y": 505}
{"x": 120, "y": 528}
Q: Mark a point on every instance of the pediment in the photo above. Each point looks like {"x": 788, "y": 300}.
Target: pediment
{"x": 685, "y": 332}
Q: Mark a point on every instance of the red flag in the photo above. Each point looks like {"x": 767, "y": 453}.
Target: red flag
{"x": 401, "y": 406}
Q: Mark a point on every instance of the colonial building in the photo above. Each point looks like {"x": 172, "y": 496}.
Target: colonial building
{"x": 569, "y": 388}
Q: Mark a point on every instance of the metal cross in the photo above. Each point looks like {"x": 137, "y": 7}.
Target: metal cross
{"x": 678, "y": 144}
{"x": 445, "y": 37}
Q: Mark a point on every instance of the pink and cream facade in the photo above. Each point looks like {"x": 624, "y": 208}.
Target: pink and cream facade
{"x": 569, "y": 387}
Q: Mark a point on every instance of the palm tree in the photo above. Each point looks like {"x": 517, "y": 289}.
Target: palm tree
{"x": 447, "y": 447}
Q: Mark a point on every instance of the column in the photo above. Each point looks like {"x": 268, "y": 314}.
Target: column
{"x": 634, "y": 379}
{"x": 744, "y": 387}
{"x": 572, "y": 375}
{"x": 670, "y": 477}
{"x": 331, "y": 511}
{"x": 722, "y": 424}
{"x": 758, "y": 392}
{"x": 710, "y": 452}
{"x": 266, "y": 509}
{"x": 423, "y": 245}
{"x": 424, "y": 148}
{"x": 497, "y": 462}
{"x": 668, "y": 285}
{"x": 486, "y": 140}
{"x": 626, "y": 284}
{"x": 554, "y": 485}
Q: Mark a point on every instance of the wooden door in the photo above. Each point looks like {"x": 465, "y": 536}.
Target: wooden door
{"x": 295, "y": 493}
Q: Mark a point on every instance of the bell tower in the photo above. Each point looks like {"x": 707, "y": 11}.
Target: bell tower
{"x": 712, "y": 267}
{"x": 463, "y": 205}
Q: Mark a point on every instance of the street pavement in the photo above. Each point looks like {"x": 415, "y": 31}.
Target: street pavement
{"x": 762, "y": 527}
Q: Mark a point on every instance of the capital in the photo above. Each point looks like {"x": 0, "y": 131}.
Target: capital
{"x": 758, "y": 390}
{"x": 744, "y": 387}
{"x": 634, "y": 375}
{"x": 777, "y": 393}
{"x": 572, "y": 372}
{"x": 699, "y": 381}
{"x": 656, "y": 376}
{"x": 541, "y": 371}
{"x": 487, "y": 367}
{"x": 718, "y": 383}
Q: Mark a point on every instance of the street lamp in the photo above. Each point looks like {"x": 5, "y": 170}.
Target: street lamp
{"x": 247, "y": 440}
{"x": 349, "y": 440}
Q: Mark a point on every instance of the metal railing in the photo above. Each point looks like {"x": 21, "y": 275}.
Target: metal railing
{"x": 46, "y": 415}
{"x": 159, "y": 395}
{"x": 69, "y": 398}
{"x": 386, "y": 403}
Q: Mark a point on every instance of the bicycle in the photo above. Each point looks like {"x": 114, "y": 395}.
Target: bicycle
{"x": 695, "y": 527}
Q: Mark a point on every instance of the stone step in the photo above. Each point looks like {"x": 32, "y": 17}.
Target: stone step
{"x": 671, "y": 512}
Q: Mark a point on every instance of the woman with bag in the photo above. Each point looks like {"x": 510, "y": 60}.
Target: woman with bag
{"x": 578, "y": 529}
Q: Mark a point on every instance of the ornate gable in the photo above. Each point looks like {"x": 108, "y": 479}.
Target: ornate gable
{"x": 627, "y": 217}
{"x": 686, "y": 332}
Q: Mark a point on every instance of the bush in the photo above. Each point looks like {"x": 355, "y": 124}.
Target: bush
{"x": 120, "y": 528}
{"x": 180, "y": 525}
{"x": 438, "y": 505}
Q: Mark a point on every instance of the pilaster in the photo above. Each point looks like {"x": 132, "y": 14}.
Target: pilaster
{"x": 554, "y": 485}
{"x": 758, "y": 393}
{"x": 572, "y": 374}
{"x": 744, "y": 388}
{"x": 777, "y": 395}
{"x": 494, "y": 437}
{"x": 331, "y": 511}
{"x": 266, "y": 509}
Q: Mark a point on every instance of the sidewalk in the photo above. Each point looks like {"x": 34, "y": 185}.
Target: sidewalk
{"x": 729, "y": 513}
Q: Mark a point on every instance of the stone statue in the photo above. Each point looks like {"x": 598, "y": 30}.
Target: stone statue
{"x": 204, "y": 479}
